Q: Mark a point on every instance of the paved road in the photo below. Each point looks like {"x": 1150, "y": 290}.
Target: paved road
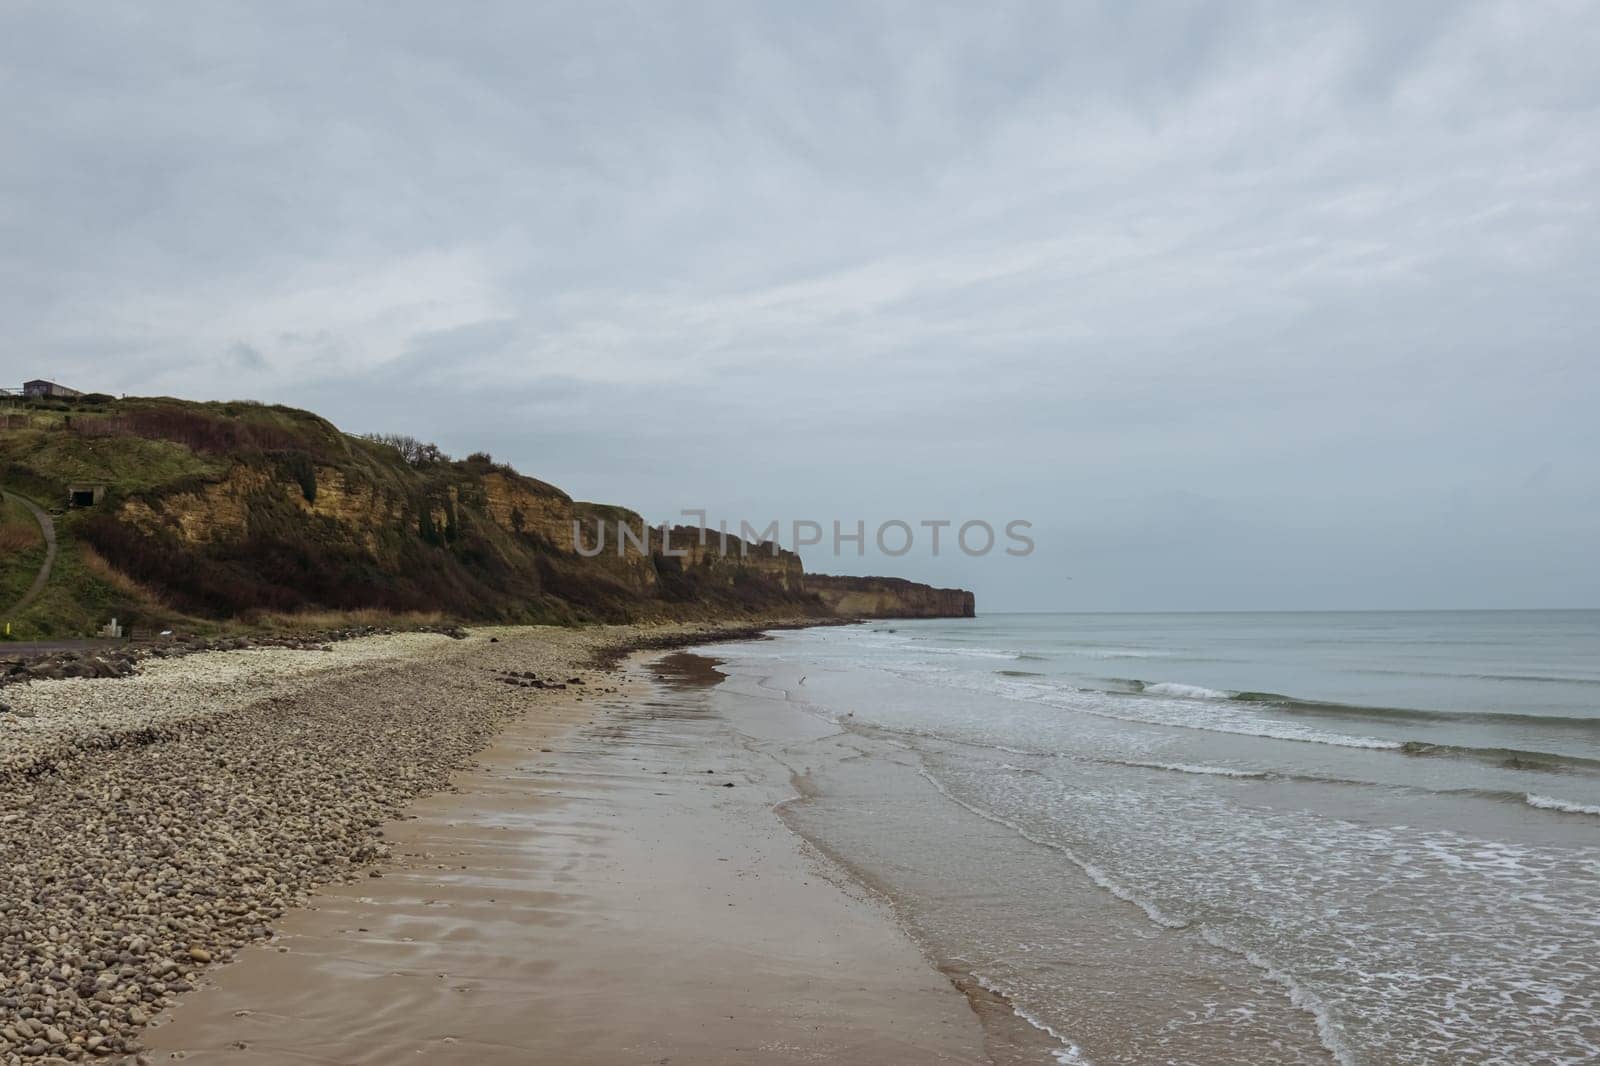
{"x": 48, "y": 528}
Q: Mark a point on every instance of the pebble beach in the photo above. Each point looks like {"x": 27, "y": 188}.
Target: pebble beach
{"x": 153, "y": 825}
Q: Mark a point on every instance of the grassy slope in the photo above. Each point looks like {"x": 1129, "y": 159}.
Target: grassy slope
{"x": 21, "y": 551}
{"x": 437, "y": 550}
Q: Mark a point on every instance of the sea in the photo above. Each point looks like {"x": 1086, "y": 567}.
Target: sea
{"x": 1218, "y": 838}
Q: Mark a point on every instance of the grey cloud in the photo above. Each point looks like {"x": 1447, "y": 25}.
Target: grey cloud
{"x": 1327, "y": 268}
{"x": 244, "y": 356}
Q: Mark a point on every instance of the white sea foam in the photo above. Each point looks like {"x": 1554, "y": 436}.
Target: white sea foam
{"x": 1195, "y": 768}
{"x": 1209, "y": 715}
{"x": 1193, "y": 692}
{"x": 1301, "y": 997}
{"x": 1186, "y": 706}
{"x": 1069, "y": 1054}
{"x": 1095, "y": 873}
{"x": 910, "y": 731}
{"x": 971, "y": 653}
{"x": 1551, "y": 803}
{"x": 1277, "y": 883}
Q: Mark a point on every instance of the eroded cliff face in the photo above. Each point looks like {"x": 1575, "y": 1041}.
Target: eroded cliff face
{"x": 221, "y": 511}
{"x": 476, "y": 539}
{"x": 524, "y": 505}
{"x": 494, "y": 542}
{"x": 674, "y": 566}
{"x": 224, "y": 509}
{"x": 889, "y": 597}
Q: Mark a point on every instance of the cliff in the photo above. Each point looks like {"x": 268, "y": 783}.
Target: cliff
{"x": 889, "y": 597}
{"x": 224, "y": 511}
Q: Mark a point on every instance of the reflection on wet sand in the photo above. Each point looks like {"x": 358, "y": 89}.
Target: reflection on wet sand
{"x": 610, "y": 885}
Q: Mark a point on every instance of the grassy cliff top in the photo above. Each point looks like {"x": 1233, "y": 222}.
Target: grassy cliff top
{"x": 142, "y": 443}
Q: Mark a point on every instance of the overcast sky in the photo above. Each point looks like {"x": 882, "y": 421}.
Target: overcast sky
{"x": 1242, "y": 306}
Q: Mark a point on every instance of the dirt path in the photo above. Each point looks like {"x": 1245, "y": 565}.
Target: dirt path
{"x": 48, "y": 528}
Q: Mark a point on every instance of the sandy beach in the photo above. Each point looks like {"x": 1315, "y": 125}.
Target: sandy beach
{"x": 403, "y": 847}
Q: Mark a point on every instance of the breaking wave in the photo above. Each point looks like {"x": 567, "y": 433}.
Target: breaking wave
{"x": 1551, "y": 803}
{"x": 1195, "y": 768}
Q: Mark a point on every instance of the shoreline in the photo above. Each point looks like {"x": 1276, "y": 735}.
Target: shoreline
{"x": 238, "y": 856}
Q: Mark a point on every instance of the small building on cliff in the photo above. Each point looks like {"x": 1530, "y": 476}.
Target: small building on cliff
{"x": 40, "y": 389}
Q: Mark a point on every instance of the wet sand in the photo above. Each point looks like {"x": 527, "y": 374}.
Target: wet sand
{"x": 593, "y": 892}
